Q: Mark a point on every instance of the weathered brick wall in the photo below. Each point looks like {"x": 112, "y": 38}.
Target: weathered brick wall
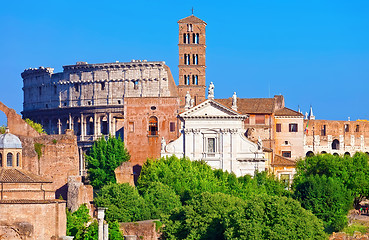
{"x": 142, "y": 230}
{"x": 37, "y": 221}
{"x": 136, "y": 137}
{"x": 58, "y": 160}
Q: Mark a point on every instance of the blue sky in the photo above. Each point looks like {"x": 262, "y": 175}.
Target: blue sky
{"x": 313, "y": 52}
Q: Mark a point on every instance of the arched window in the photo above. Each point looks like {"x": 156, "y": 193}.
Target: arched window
{"x": 9, "y": 160}
{"x": 153, "y": 126}
{"x": 1, "y": 160}
{"x": 197, "y": 38}
{"x": 347, "y": 154}
{"x": 186, "y": 79}
{"x": 193, "y": 38}
{"x": 18, "y": 159}
{"x": 189, "y": 27}
{"x": 323, "y": 152}
{"x": 195, "y": 58}
{"x": 335, "y": 154}
{"x": 336, "y": 144}
{"x": 90, "y": 125}
{"x": 309, "y": 154}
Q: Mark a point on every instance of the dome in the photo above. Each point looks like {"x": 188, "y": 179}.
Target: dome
{"x": 9, "y": 140}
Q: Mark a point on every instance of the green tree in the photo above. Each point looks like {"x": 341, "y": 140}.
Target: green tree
{"x": 2, "y": 129}
{"x": 221, "y": 216}
{"x": 81, "y": 225}
{"x": 103, "y": 158}
{"x": 189, "y": 178}
{"x": 124, "y": 203}
{"x": 327, "y": 198}
{"x": 353, "y": 172}
{"x": 38, "y": 127}
{"x": 161, "y": 199}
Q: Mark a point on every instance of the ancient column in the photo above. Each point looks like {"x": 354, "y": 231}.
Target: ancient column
{"x": 82, "y": 127}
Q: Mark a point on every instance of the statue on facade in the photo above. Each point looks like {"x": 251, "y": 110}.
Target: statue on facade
{"x": 192, "y": 103}
{"x": 211, "y": 91}
{"x": 260, "y": 144}
{"x": 234, "y": 101}
{"x": 187, "y": 100}
{"x": 163, "y": 144}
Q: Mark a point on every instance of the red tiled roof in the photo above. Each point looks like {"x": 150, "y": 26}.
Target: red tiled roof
{"x": 15, "y": 175}
{"x": 287, "y": 112}
{"x": 282, "y": 161}
{"x": 191, "y": 19}
{"x": 251, "y": 105}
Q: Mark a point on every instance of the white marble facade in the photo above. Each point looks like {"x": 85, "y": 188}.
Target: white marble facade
{"x": 215, "y": 134}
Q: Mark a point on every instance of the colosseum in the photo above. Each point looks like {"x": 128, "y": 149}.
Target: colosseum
{"x": 92, "y": 99}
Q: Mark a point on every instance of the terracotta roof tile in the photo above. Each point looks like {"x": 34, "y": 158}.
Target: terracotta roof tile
{"x": 282, "y": 161}
{"x": 15, "y": 175}
{"x": 191, "y": 19}
{"x": 287, "y": 112}
{"x": 251, "y": 105}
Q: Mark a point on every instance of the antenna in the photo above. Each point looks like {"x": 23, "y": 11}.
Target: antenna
{"x": 192, "y": 10}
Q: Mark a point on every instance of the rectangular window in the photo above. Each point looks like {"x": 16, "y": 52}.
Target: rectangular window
{"x": 324, "y": 130}
{"x": 102, "y": 86}
{"x": 278, "y": 127}
{"x": 211, "y": 145}
{"x": 135, "y": 85}
{"x": 259, "y": 119}
{"x": 293, "y": 127}
{"x": 347, "y": 128}
{"x": 172, "y": 126}
{"x": 131, "y": 126}
{"x": 357, "y": 128}
{"x": 286, "y": 154}
{"x": 285, "y": 178}
{"x": 247, "y": 120}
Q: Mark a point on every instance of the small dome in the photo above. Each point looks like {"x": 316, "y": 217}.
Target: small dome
{"x": 9, "y": 140}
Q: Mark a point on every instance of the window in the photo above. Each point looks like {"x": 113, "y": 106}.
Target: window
{"x": 347, "y": 128}
{"x": 293, "y": 127}
{"x": 189, "y": 27}
{"x": 153, "y": 126}
{"x": 131, "y": 126}
{"x": 286, "y": 154}
{"x": 187, "y": 59}
{"x": 324, "y": 130}
{"x": 186, "y": 38}
{"x": 211, "y": 145}
{"x": 172, "y": 126}
{"x": 102, "y": 86}
{"x": 247, "y": 120}
{"x": 55, "y": 89}
{"x": 195, "y": 59}
{"x": 196, "y": 39}
{"x": 286, "y": 143}
{"x": 76, "y": 87}
{"x": 186, "y": 79}
{"x": 153, "y": 108}
{"x": 135, "y": 83}
{"x": 335, "y": 144}
{"x": 9, "y": 160}
{"x": 1, "y": 160}
{"x": 18, "y": 159}
{"x": 259, "y": 119}
{"x": 39, "y": 90}
{"x": 195, "y": 80}
{"x": 357, "y": 129}
{"x": 278, "y": 127}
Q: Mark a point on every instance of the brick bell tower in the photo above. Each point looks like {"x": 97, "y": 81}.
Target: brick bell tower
{"x": 191, "y": 65}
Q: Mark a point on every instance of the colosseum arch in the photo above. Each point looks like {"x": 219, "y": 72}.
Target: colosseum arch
{"x": 336, "y": 144}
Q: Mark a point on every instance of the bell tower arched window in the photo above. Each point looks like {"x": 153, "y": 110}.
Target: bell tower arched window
{"x": 9, "y": 160}
{"x": 153, "y": 126}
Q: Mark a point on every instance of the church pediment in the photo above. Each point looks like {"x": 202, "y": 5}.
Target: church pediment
{"x": 211, "y": 109}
